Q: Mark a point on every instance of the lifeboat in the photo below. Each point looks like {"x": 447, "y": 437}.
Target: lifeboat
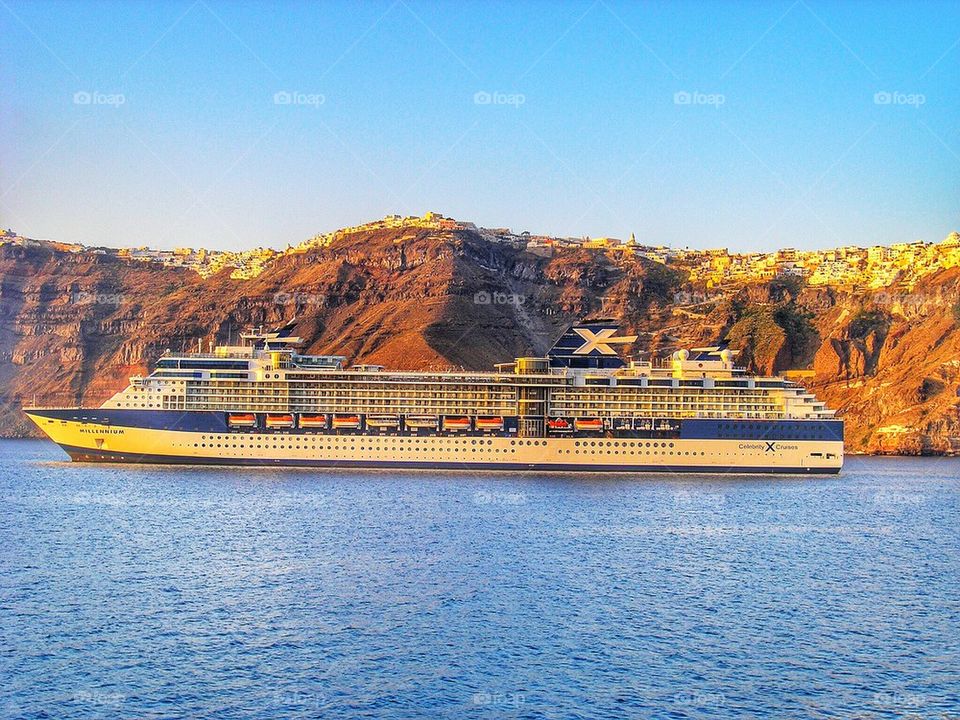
{"x": 282, "y": 420}
{"x": 383, "y": 422}
{"x": 456, "y": 424}
{"x": 313, "y": 421}
{"x": 559, "y": 425}
{"x": 346, "y": 422}
{"x": 489, "y": 423}
{"x": 242, "y": 420}
{"x": 416, "y": 422}
{"x": 589, "y": 424}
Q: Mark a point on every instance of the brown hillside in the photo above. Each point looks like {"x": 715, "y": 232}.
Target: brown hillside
{"x": 76, "y": 325}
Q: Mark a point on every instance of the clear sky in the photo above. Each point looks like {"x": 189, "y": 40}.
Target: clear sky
{"x": 703, "y": 124}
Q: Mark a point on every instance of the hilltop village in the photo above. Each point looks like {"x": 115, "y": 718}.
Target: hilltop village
{"x": 854, "y": 267}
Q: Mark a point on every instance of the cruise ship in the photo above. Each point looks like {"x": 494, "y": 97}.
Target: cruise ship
{"x": 585, "y": 406}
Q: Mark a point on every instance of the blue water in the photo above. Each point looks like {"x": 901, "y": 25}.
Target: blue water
{"x": 139, "y": 592}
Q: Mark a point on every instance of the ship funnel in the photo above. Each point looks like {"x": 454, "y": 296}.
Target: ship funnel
{"x": 590, "y": 344}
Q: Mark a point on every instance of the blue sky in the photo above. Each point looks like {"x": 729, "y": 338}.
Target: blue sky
{"x": 752, "y": 126}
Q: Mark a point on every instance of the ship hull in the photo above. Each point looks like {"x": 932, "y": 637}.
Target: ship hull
{"x": 204, "y": 439}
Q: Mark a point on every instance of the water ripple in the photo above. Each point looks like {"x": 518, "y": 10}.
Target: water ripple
{"x": 207, "y": 593}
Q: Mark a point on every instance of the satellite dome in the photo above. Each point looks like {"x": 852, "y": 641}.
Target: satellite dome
{"x": 683, "y": 354}
{"x": 726, "y": 355}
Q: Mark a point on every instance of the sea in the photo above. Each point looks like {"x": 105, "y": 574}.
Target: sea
{"x": 165, "y": 592}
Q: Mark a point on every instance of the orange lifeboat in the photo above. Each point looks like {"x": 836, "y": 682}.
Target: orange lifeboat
{"x": 242, "y": 420}
{"x": 589, "y": 424}
{"x": 489, "y": 423}
{"x": 346, "y": 422}
{"x": 456, "y": 424}
{"x": 280, "y": 420}
{"x": 313, "y": 421}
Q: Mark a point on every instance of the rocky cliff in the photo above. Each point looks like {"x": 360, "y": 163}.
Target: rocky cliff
{"x": 74, "y": 326}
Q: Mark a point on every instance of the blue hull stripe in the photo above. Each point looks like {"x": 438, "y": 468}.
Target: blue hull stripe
{"x": 703, "y": 429}
{"x": 215, "y": 421}
{"x": 90, "y": 455}
{"x": 192, "y": 421}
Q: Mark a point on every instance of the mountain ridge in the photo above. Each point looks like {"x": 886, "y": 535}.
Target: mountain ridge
{"x": 76, "y": 324}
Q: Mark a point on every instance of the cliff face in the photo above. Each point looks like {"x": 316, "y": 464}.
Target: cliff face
{"x": 75, "y": 326}
{"x": 891, "y": 365}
